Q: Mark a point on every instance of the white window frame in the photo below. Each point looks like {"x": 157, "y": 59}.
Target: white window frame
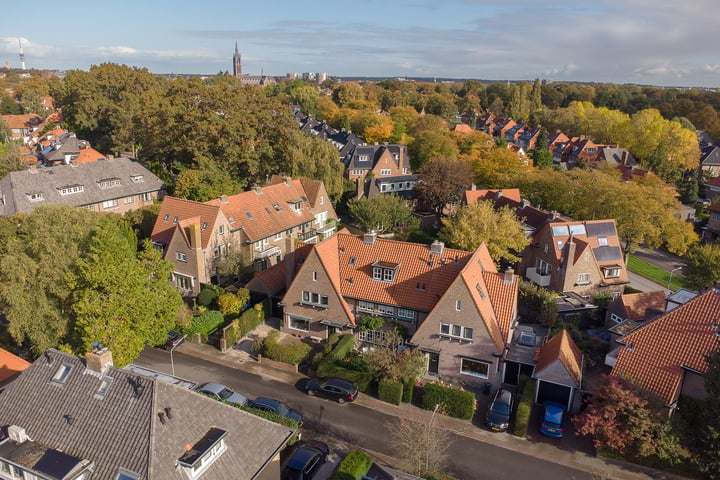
{"x": 110, "y": 204}
{"x": 181, "y": 256}
{"x": 129, "y": 199}
{"x": 406, "y": 313}
{"x": 583, "y": 279}
{"x": 183, "y": 282}
{"x": 221, "y": 229}
{"x": 292, "y": 318}
{"x": 472, "y": 373}
{"x": 384, "y": 172}
{"x": 385, "y": 309}
{"x": 458, "y": 332}
{"x": 366, "y": 306}
{"x": 611, "y": 272}
{"x": 315, "y": 299}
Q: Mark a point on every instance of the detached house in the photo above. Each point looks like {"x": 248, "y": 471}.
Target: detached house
{"x": 255, "y": 228}
{"x": 113, "y": 185}
{"x": 380, "y": 169}
{"x": 667, "y": 356}
{"x": 581, "y": 257}
{"x": 67, "y": 418}
{"x": 455, "y": 305}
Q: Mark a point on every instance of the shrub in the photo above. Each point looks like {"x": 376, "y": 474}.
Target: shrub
{"x": 293, "y": 354}
{"x": 390, "y": 392}
{"x": 353, "y": 361}
{"x": 522, "y": 417}
{"x": 342, "y": 348}
{"x": 229, "y": 304}
{"x": 251, "y": 318}
{"x": 408, "y": 390}
{"x": 371, "y": 322}
{"x": 327, "y": 369}
{"x": 455, "y": 403}
{"x": 208, "y": 295}
{"x": 316, "y": 359}
{"x": 205, "y": 323}
{"x": 332, "y": 339}
{"x": 355, "y": 464}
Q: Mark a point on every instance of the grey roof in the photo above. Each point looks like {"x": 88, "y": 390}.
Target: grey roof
{"x": 16, "y": 187}
{"x": 709, "y": 155}
{"x": 124, "y": 429}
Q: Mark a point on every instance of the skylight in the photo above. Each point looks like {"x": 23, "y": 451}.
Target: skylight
{"x": 249, "y": 215}
{"x": 62, "y": 373}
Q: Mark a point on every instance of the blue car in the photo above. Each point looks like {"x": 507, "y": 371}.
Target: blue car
{"x": 552, "y": 420}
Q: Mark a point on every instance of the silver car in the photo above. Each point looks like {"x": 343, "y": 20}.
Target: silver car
{"x": 221, "y": 392}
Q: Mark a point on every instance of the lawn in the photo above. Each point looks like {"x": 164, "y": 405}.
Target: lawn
{"x": 656, "y": 274}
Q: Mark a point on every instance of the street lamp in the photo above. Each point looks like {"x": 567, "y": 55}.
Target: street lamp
{"x": 173, "y": 346}
{"x": 670, "y": 278}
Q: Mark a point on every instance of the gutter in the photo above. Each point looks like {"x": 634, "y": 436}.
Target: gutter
{"x": 275, "y": 453}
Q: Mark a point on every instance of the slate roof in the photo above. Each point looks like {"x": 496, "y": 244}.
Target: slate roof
{"x": 10, "y": 365}
{"x": 660, "y": 349}
{"x": 184, "y": 210}
{"x": 709, "y": 155}
{"x": 124, "y": 429}
{"x": 16, "y": 187}
{"x": 268, "y": 210}
{"x": 560, "y": 351}
{"x": 616, "y": 155}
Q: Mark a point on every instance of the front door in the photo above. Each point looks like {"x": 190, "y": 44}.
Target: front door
{"x": 433, "y": 362}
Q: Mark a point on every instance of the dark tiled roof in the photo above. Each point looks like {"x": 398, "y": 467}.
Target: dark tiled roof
{"x": 17, "y": 186}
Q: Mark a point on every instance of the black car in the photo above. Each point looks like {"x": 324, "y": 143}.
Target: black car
{"x": 174, "y": 340}
{"x": 305, "y": 461}
{"x": 498, "y": 416}
{"x": 276, "y": 406}
{"x": 334, "y": 388}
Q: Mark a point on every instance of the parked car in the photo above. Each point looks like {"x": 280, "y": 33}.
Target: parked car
{"x": 333, "y": 388}
{"x": 552, "y": 419}
{"x": 174, "y": 340}
{"x": 221, "y": 392}
{"x": 498, "y": 415}
{"x": 305, "y": 461}
{"x": 276, "y": 406}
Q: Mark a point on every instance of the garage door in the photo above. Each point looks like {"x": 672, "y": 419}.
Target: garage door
{"x": 553, "y": 392}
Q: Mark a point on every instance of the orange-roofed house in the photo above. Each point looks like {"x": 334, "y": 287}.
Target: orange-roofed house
{"x": 638, "y": 307}
{"x": 558, "y": 370}
{"x": 10, "y": 366}
{"x": 667, "y": 356}
{"x": 456, "y": 307}
{"x": 257, "y": 228}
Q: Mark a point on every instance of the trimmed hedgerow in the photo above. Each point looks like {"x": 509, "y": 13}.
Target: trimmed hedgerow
{"x": 455, "y": 403}
{"x": 327, "y": 369}
{"x": 342, "y": 348}
{"x": 408, "y": 390}
{"x": 390, "y": 391}
{"x": 205, "y": 323}
{"x": 522, "y": 416}
{"x": 293, "y": 354}
{"x": 355, "y": 464}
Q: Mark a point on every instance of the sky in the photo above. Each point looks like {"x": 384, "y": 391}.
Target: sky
{"x": 647, "y": 42}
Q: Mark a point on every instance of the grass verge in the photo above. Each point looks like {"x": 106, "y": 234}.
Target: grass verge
{"x": 656, "y": 274}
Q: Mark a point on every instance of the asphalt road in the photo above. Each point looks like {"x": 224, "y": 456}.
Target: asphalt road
{"x": 360, "y": 426}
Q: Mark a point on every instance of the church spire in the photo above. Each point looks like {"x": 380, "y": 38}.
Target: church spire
{"x": 237, "y": 63}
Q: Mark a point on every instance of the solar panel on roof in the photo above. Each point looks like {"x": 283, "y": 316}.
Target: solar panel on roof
{"x": 602, "y": 229}
{"x": 560, "y": 231}
{"x": 604, "y": 254}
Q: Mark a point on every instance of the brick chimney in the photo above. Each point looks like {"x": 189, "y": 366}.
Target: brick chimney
{"x": 508, "y": 275}
{"x": 98, "y": 359}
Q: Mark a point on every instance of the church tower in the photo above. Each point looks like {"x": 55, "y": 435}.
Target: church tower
{"x": 237, "y": 63}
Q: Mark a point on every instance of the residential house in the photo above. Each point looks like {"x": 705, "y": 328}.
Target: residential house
{"x": 710, "y": 160}
{"x": 22, "y": 125}
{"x": 454, "y": 304}
{"x": 115, "y": 185}
{"x": 578, "y": 149}
{"x": 528, "y": 137}
{"x": 500, "y": 126}
{"x": 10, "y": 366}
{"x": 512, "y": 134}
{"x": 558, "y": 370}
{"x": 712, "y": 189}
{"x": 712, "y": 230}
{"x": 256, "y": 228}
{"x": 484, "y": 122}
{"x": 462, "y": 128}
{"x": 385, "y": 160}
{"x": 573, "y": 256}
{"x": 667, "y": 356}
{"x": 58, "y": 146}
{"x": 616, "y": 156}
{"x": 555, "y": 139}
{"x": 70, "y": 418}
{"x": 638, "y": 307}
{"x": 520, "y": 356}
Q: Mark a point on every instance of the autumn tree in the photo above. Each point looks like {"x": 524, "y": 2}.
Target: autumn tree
{"x": 443, "y": 181}
{"x": 382, "y": 213}
{"x": 429, "y": 145}
{"x": 122, "y": 298}
{"x": 421, "y": 447}
{"x": 205, "y": 182}
{"x": 392, "y": 362}
{"x": 10, "y": 160}
{"x": 479, "y": 223}
{"x": 623, "y": 418}
{"x": 316, "y": 159}
{"x": 702, "y": 265}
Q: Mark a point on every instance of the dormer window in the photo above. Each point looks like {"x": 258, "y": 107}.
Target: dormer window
{"x": 200, "y": 456}
{"x": 70, "y": 189}
{"x": 384, "y": 271}
{"x": 363, "y": 158}
{"x": 611, "y": 271}
{"x": 137, "y": 178}
{"x": 35, "y": 196}
{"x": 166, "y": 217}
{"x": 295, "y": 205}
{"x": 109, "y": 183}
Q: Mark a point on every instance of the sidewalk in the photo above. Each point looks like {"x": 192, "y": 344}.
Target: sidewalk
{"x": 604, "y": 469}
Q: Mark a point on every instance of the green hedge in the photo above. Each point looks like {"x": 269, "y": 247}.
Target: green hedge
{"x": 208, "y": 295}
{"x": 355, "y": 464}
{"x": 408, "y": 390}
{"x": 455, "y": 403}
{"x": 522, "y": 417}
{"x": 292, "y": 354}
{"x": 390, "y": 392}
{"x": 245, "y": 323}
{"x": 326, "y": 369}
{"x": 342, "y": 348}
{"x": 205, "y": 323}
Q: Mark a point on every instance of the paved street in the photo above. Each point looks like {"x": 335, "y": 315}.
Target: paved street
{"x": 476, "y": 454}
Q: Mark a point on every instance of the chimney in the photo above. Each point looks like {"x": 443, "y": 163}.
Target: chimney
{"x": 554, "y": 215}
{"x": 98, "y": 359}
{"x": 508, "y": 275}
{"x": 257, "y": 189}
{"x": 195, "y": 236}
{"x": 223, "y": 199}
{"x": 437, "y": 248}
{"x": 624, "y": 158}
{"x": 369, "y": 237}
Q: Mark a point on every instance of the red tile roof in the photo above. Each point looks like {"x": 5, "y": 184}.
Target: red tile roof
{"x": 10, "y": 365}
{"x": 638, "y": 304}
{"x": 501, "y": 197}
{"x": 184, "y": 210}
{"x": 268, "y": 210}
{"x": 680, "y": 338}
{"x": 561, "y": 348}
{"x": 89, "y": 154}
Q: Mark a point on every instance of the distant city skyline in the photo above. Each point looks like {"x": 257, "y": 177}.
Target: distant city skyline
{"x": 655, "y": 42}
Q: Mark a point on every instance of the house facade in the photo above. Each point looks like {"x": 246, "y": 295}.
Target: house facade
{"x": 455, "y": 306}
{"x": 116, "y": 185}
{"x": 70, "y": 418}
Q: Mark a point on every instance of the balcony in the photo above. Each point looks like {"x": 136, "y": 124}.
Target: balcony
{"x": 268, "y": 252}
{"x": 541, "y": 279}
{"x": 326, "y": 230}
{"x": 310, "y": 235}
